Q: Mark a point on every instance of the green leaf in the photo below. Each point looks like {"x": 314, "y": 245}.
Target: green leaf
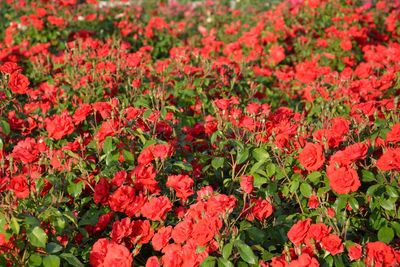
{"x": 51, "y": 261}
{"x": 15, "y": 225}
{"x": 367, "y": 176}
{"x": 306, "y": 189}
{"x": 224, "y": 263}
{"x": 391, "y": 191}
{"x": 227, "y": 250}
{"x": 270, "y": 169}
{"x": 128, "y": 156}
{"x": 242, "y": 156}
{"x": 71, "y": 259}
{"x": 75, "y": 189}
{"x": 387, "y": 204}
{"x": 108, "y": 145}
{"x": 314, "y": 177}
{"x": 256, "y": 235}
{"x": 353, "y": 203}
{"x": 208, "y": 262}
{"x": 246, "y": 253}
{"x": 53, "y": 248}
{"x": 217, "y": 162}
{"x": 386, "y": 234}
{"x": 35, "y": 260}
{"x": 260, "y": 154}
{"x": 37, "y": 237}
{"x": 5, "y": 127}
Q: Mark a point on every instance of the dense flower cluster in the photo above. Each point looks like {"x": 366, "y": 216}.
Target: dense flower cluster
{"x": 229, "y": 133}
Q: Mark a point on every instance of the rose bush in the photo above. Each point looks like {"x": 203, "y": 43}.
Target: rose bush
{"x": 208, "y": 133}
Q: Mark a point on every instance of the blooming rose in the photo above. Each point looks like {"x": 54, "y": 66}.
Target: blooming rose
{"x": 205, "y": 230}
{"x": 109, "y": 253}
{"x": 19, "y": 184}
{"x": 394, "y": 134}
{"x": 18, "y": 83}
{"x": 312, "y": 157}
{"x": 313, "y": 202}
{"x": 182, "y": 231}
{"x": 59, "y": 125}
{"x": 156, "y": 208}
{"x": 379, "y": 255}
{"x": 182, "y": 184}
{"x": 390, "y": 160}
{"x": 333, "y": 244}
{"x": 162, "y": 237}
{"x": 355, "y": 252}
{"x": 121, "y": 229}
{"x": 121, "y": 198}
{"x": 101, "y": 191}
{"x": 246, "y": 183}
{"x": 316, "y": 232}
{"x": 343, "y": 180}
{"x": 26, "y": 151}
{"x": 298, "y": 231}
{"x": 304, "y": 260}
{"x": 141, "y": 232}
{"x": 261, "y": 209}
{"x": 152, "y": 262}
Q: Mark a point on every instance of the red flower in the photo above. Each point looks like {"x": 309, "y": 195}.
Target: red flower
{"x": 141, "y": 232}
{"x": 355, "y": 252}
{"x": 121, "y": 229}
{"x": 26, "y": 151}
{"x": 121, "y": 198}
{"x": 152, "y": 262}
{"x": 343, "y": 180}
{"x": 161, "y": 238}
{"x": 380, "y": 255}
{"x": 109, "y": 253}
{"x": 298, "y": 231}
{"x": 304, "y": 260}
{"x": 59, "y": 126}
{"x": 261, "y": 209}
{"x": 312, "y": 157}
{"x": 182, "y": 231}
{"x": 10, "y": 67}
{"x": 390, "y": 160}
{"x": 81, "y": 113}
{"x": 18, "y": 83}
{"x": 313, "y": 202}
{"x": 394, "y": 134}
{"x": 101, "y": 191}
{"x": 316, "y": 232}
{"x": 246, "y": 183}
{"x": 333, "y": 244}
{"x": 182, "y": 184}
{"x": 19, "y": 184}
{"x": 157, "y": 208}
{"x": 205, "y": 230}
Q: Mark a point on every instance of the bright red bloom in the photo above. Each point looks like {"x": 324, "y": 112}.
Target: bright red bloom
{"x": 261, "y": 209}
{"x": 18, "y": 83}
{"x": 299, "y": 231}
{"x": 355, "y": 252}
{"x": 161, "y": 238}
{"x": 26, "y": 151}
{"x": 182, "y": 184}
{"x": 393, "y": 135}
{"x": 109, "y": 253}
{"x": 343, "y": 180}
{"x": 156, "y": 208}
{"x": 312, "y": 157}
{"x": 333, "y": 244}
{"x": 246, "y": 183}
{"x": 19, "y": 184}
{"x": 380, "y": 255}
{"x": 390, "y": 160}
{"x": 59, "y": 126}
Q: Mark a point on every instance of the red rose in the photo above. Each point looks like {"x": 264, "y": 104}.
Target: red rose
{"x": 59, "y": 126}
{"x": 343, "y": 180}
{"x": 182, "y": 184}
{"x": 312, "y": 157}
{"x": 101, "y": 191}
{"x": 333, "y": 244}
{"x": 141, "y": 232}
{"x": 182, "y": 231}
{"x": 18, "y": 83}
{"x": 81, "y": 113}
{"x": 316, "y": 232}
{"x": 161, "y": 238}
{"x": 144, "y": 177}
{"x": 205, "y": 230}
{"x": 394, "y": 134}
{"x": 19, "y": 184}
{"x": 121, "y": 198}
{"x": 355, "y": 252}
{"x": 26, "y": 151}
{"x": 161, "y": 151}
{"x": 298, "y": 231}
{"x": 157, "y": 208}
{"x": 121, "y": 229}
{"x": 313, "y": 202}
{"x": 380, "y": 255}
{"x": 10, "y": 67}
{"x": 146, "y": 156}
{"x": 109, "y": 253}
{"x": 119, "y": 178}
{"x": 390, "y": 160}
{"x": 246, "y": 183}
{"x": 152, "y": 262}
{"x": 261, "y": 209}
{"x": 304, "y": 260}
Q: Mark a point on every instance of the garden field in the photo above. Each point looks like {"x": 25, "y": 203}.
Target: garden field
{"x": 200, "y": 133}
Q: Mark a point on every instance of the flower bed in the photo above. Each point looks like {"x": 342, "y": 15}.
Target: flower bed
{"x": 208, "y": 133}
